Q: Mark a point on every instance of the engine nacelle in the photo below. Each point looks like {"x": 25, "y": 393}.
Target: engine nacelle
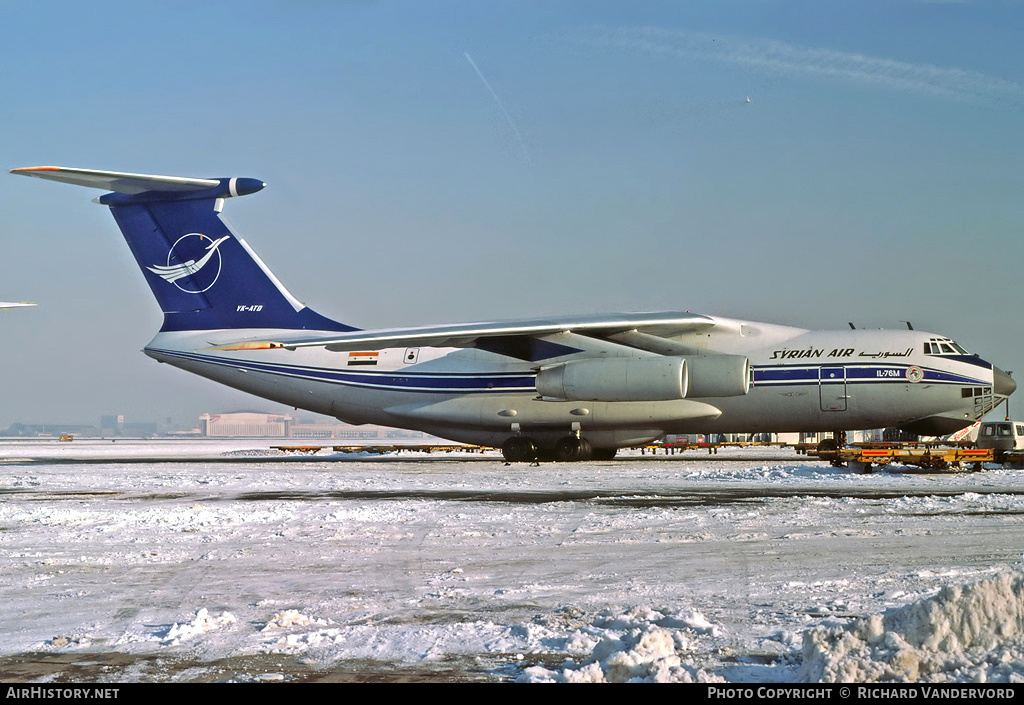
{"x": 616, "y": 379}
{"x": 659, "y": 378}
{"x": 718, "y": 375}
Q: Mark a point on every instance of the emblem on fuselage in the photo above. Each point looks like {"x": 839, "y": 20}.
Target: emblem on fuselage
{"x": 192, "y": 261}
{"x": 915, "y": 374}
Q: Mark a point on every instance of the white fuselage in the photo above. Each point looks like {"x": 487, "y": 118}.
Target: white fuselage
{"x": 801, "y": 381}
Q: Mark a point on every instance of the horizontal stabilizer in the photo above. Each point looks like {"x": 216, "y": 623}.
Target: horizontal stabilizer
{"x": 117, "y": 181}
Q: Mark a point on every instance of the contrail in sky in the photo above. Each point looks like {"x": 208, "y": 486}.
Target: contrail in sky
{"x": 511, "y": 123}
{"x": 777, "y": 57}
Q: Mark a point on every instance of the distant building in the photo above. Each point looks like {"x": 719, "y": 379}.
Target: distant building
{"x": 245, "y": 425}
{"x": 115, "y": 425}
{"x": 43, "y": 430}
{"x": 338, "y": 431}
{"x": 111, "y": 424}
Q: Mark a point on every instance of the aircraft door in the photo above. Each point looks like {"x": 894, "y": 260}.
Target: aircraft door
{"x": 832, "y": 388}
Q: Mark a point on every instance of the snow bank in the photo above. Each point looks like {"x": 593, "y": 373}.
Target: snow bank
{"x": 202, "y": 624}
{"x": 292, "y": 618}
{"x": 641, "y": 645}
{"x": 972, "y": 633}
{"x": 253, "y": 453}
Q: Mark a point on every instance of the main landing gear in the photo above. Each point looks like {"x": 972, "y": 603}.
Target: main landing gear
{"x": 519, "y": 449}
{"x": 570, "y": 448}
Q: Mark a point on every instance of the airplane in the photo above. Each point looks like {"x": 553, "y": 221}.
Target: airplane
{"x": 12, "y": 304}
{"x": 564, "y": 389}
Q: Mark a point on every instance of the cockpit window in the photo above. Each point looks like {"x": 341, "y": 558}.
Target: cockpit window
{"x": 943, "y": 346}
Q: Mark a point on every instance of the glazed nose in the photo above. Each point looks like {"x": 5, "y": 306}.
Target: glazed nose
{"x": 1002, "y": 383}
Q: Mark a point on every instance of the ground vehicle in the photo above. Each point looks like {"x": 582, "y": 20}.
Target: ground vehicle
{"x": 1001, "y": 435}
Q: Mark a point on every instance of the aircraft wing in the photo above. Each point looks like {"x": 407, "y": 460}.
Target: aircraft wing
{"x": 634, "y": 330}
{"x": 11, "y": 304}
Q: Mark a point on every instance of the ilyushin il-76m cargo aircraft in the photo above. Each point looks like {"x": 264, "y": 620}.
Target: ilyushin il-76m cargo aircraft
{"x": 556, "y": 388}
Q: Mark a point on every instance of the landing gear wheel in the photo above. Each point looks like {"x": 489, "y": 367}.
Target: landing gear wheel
{"x": 603, "y": 453}
{"x": 519, "y": 449}
{"x": 571, "y": 449}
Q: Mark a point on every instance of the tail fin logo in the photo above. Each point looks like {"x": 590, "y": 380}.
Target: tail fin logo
{"x": 191, "y": 259}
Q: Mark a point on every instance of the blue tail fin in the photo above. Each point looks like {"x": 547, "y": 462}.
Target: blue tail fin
{"x": 203, "y": 275}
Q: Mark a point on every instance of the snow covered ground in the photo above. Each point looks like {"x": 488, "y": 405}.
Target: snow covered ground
{"x": 223, "y": 561}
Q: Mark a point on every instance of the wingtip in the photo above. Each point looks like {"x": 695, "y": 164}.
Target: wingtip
{"x": 24, "y": 169}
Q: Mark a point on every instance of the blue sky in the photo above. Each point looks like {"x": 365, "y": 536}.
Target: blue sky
{"x": 433, "y": 162}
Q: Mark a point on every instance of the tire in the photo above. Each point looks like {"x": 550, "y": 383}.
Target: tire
{"x": 828, "y": 445}
{"x": 519, "y": 449}
{"x": 568, "y": 449}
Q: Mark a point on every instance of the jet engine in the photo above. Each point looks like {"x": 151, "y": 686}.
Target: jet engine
{"x": 646, "y": 378}
{"x": 718, "y": 375}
